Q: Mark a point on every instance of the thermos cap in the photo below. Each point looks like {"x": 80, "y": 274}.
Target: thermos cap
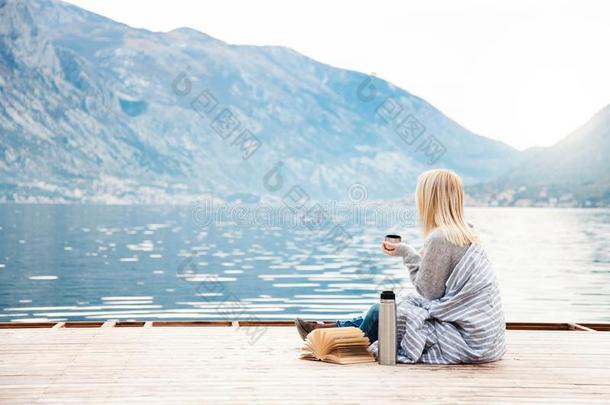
{"x": 388, "y": 295}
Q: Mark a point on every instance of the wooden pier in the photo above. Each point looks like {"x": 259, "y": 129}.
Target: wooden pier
{"x": 228, "y": 362}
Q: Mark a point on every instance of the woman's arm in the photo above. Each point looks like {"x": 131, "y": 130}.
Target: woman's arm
{"x": 429, "y": 272}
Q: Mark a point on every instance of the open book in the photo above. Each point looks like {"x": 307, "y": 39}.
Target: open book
{"x": 337, "y": 345}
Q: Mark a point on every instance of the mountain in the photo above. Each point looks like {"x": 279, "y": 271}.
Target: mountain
{"x": 92, "y": 110}
{"x": 573, "y": 172}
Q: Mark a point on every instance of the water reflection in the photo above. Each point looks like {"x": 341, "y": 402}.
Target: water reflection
{"x": 98, "y": 262}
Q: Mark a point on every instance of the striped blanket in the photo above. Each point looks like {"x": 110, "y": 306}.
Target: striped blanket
{"x": 466, "y": 325}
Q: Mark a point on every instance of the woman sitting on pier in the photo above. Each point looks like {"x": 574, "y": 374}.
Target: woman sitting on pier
{"x": 457, "y": 316}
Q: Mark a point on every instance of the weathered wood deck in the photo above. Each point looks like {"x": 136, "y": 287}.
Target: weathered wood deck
{"x": 213, "y": 365}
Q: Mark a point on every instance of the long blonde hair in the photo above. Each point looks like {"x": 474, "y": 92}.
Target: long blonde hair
{"x": 440, "y": 203}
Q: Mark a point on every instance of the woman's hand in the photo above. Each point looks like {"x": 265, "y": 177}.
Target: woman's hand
{"x": 389, "y": 248}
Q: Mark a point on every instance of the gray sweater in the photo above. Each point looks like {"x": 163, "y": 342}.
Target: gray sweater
{"x": 430, "y": 272}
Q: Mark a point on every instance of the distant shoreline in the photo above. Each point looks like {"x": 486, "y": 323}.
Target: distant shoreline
{"x": 278, "y": 206}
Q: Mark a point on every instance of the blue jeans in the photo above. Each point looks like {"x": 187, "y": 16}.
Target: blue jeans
{"x": 368, "y": 324}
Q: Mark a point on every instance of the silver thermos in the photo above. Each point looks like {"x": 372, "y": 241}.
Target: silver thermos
{"x": 387, "y": 329}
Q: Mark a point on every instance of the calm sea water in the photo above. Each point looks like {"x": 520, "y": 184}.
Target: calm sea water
{"x": 116, "y": 262}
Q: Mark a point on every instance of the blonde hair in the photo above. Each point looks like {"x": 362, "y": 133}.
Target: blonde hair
{"x": 440, "y": 203}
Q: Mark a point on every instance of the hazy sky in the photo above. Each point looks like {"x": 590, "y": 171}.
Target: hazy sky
{"x": 525, "y": 72}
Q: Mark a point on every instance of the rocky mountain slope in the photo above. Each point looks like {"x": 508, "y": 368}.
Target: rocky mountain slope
{"x": 92, "y": 110}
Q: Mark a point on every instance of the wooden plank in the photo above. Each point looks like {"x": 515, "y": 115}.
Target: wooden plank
{"x": 88, "y": 324}
{"x": 26, "y": 325}
{"x": 190, "y": 323}
{"x": 225, "y": 365}
{"x": 575, "y": 326}
{"x": 605, "y": 327}
{"x": 538, "y": 326}
{"x": 129, "y": 324}
{"x": 266, "y": 323}
{"x": 83, "y": 324}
